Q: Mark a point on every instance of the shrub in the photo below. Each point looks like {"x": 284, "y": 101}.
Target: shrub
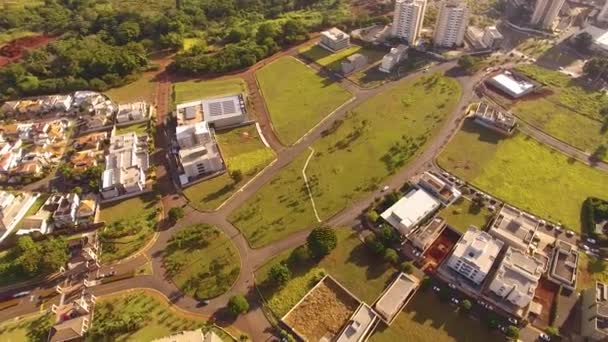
{"x": 321, "y": 241}
{"x": 513, "y": 332}
{"x": 390, "y": 255}
{"x": 372, "y": 216}
{"x": 238, "y": 304}
{"x": 279, "y": 275}
{"x": 466, "y": 305}
{"x": 176, "y": 213}
{"x": 407, "y": 267}
{"x": 298, "y": 256}
{"x": 425, "y": 284}
{"x": 371, "y": 241}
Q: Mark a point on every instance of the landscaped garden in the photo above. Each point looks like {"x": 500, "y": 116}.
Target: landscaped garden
{"x": 351, "y": 159}
{"x": 567, "y": 111}
{"x": 143, "y": 316}
{"x": 333, "y": 61}
{"x": 29, "y": 328}
{"x": 464, "y": 213}
{"x": 296, "y": 107}
{"x": 245, "y": 155}
{"x": 138, "y": 128}
{"x": 143, "y": 89}
{"x": 199, "y": 89}
{"x": 202, "y": 261}
{"x": 130, "y": 225}
{"x": 426, "y": 318}
{"x": 524, "y": 173}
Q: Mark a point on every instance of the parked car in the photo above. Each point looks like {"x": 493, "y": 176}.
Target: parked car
{"x": 569, "y": 233}
{"x": 544, "y": 337}
{"x": 455, "y": 301}
{"x": 591, "y": 241}
{"x": 513, "y": 321}
{"x": 586, "y": 248}
{"x": 21, "y": 294}
{"x": 436, "y": 288}
{"x": 385, "y": 188}
{"x": 452, "y": 286}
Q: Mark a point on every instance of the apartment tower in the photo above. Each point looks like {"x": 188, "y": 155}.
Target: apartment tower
{"x": 407, "y": 20}
{"x": 452, "y": 23}
{"x": 545, "y": 13}
{"x": 603, "y": 16}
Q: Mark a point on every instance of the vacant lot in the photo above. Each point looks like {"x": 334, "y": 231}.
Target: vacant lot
{"x": 524, "y": 173}
{"x": 199, "y": 89}
{"x": 463, "y": 213}
{"x": 156, "y": 317}
{"x": 351, "y": 263}
{"x": 333, "y": 60}
{"x": 202, "y": 261}
{"x": 296, "y": 107}
{"x": 143, "y": 89}
{"x": 374, "y": 141}
{"x": 139, "y": 129}
{"x": 242, "y": 150}
{"x": 425, "y": 318}
{"x": 568, "y": 111}
{"x": 323, "y": 312}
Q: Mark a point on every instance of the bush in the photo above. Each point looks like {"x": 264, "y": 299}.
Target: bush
{"x": 552, "y": 331}
{"x": 466, "y": 305}
{"x": 279, "y": 275}
{"x": 513, "y": 332}
{"x": 374, "y": 245}
{"x": 407, "y": 267}
{"x": 425, "y": 283}
{"x": 298, "y": 256}
{"x": 238, "y": 304}
{"x": 321, "y": 241}
{"x": 176, "y": 213}
{"x": 390, "y": 255}
{"x": 372, "y": 216}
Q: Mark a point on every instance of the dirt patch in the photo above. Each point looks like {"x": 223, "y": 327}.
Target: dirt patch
{"x": 545, "y": 295}
{"x": 323, "y": 312}
{"x": 14, "y": 50}
{"x": 439, "y": 250}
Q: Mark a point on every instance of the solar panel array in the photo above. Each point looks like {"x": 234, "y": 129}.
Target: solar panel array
{"x": 222, "y": 108}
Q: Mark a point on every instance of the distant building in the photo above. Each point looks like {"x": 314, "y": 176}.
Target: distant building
{"x": 126, "y": 164}
{"x": 444, "y": 191}
{"x": 517, "y": 277}
{"x": 217, "y": 112}
{"x": 391, "y": 59}
{"x": 360, "y": 326}
{"x": 410, "y": 211}
{"x": 334, "y": 40}
{"x": 474, "y": 255}
{"x": 73, "y": 320}
{"x": 396, "y": 296}
{"x": 191, "y": 336}
{"x": 424, "y": 237}
{"x": 198, "y": 152}
{"x": 492, "y": 38}
{"x": 514, "y": 228}
{"x": 564, "y": 265}
{"x": 353, "y": 63}
{"x": 65, "y": 214}
{"x": 512, "y": 84}
{"x": 594, "y": 313}
{"x": 452, "y": 22}
{"x": 493, "y": 118}
{"x": 599, "y": 38}
{"x": 408, "y": 19}
{"x": 545, "y": 13}
{"x": 135, "y": 111}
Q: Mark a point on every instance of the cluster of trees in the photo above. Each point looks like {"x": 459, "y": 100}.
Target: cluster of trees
{"x": 35, "y": 258}
{"x": 597, "y": 68}
{"x": 594, "y": 210}
{"x": 470, "y": 64}
{"x": 90, "y": 176}
{"x": 110, "y": 322}
{"x": 238, "y": 304}
{"x": 382, "y": 244}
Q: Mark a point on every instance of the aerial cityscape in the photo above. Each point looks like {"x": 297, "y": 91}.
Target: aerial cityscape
{"x": 303, "y": 170}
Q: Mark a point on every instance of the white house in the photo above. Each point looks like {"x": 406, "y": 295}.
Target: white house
{"x": 135, "y": 111}
{"x": 198, "y": 153}
{"x": 126, "y": 164}
{"x": 474, "y": 255}
{"x": 396, "y": 55}
{"x": 411, "y": 210}
{"x": 65, "y": 213}
{"x": 334, "y": 40}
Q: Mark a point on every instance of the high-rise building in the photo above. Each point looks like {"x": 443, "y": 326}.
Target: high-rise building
{"x": 545, "y": 13}
{"x": 407, "y": 19}
{"x": 452, "y": 23}
{"x": 603, "y": 15}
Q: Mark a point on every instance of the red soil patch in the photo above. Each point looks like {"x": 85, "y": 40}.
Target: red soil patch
{"x": 439, "y": 250}
{"x": 545, "y": 295}
{"x": 14, "y": 50}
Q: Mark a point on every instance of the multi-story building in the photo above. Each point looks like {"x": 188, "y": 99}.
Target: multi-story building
{"x": 135, "y": 111}
{"x": 452, "y": 23}
{"x": 474, "y": 255}
{"x": 396, "y": 55}
{"x": 353, "y": 63}
{"x": 407, "y": 20}
{"x": 198, "y": 153}
{"x": 594, "y": 313}
{"x": 444, "y": 191}
{"x": 126, "y": 164}
{"x": 408, "y": 212}
{"x": 73, "y": 319}
{"x": 66, "y": 211}
{"x": 517, "y": 277}
{"x": 492, "y": 38}
{"x": 545, "y": 13}
{"x": 514, "y": 228}
{"x": 334, "y": 39}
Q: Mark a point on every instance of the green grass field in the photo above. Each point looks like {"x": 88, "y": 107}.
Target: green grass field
{"x": 333, "y": 60}
{"x": 160, "y": 318}
{"x": 374, "y": 141}
{"x": 463, "y": 213}
{"x": 139, "y": 129}
{"x": 571, "y": 113}
{"x": 27, "y": 328}
{"x": 426, "y": 318}
{"x": 242, "y": 150}
{"x": 524, "y": 173}
{"x": 296, "y": 107}
{"x": 143, "y": 89}
{"x": 202, "y": 261}
{"x": 351, "y": 263}
{"x": 198, "y": 89}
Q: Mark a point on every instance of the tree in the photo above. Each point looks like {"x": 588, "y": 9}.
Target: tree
{"x": 298, "y": 256}
{"x": 372, "y": 242}
{"x": 238, "y": 304}
{"x": 279, "y": 275}
{"x": 29, "y": 255}
{"x": 77, "y": 190}
{"x": 583, "y": 41}
{"x": 513, "y": 332}
{"x": 236, "y": 175}
{"x": 407, "y": 267}
{"x": 425, "y": 284}
{"x": 552, "y": 331}
{"x": 466, "y": 305}
{"x": 372, "y": 216}
{"x": 390, "y": 255}
{"x": 469, "y": 64}
{"x": 54, "y": 254}
{"x": 128, "y": 31}
{"x": 176, "y": 213}
{"x": 321, "y": 241}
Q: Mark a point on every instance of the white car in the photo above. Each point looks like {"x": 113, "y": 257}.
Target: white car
{"x": 513, "y": 321}
{"x": 569, "y": 233}
{"x": 544, "y": 337}
{"x": 385, "y": 188}
{"x": 591, "y": 241}
{"x": 455, "y": 301}
{"x": 436, "y": 289}
{"x": 586, "y": 248}
{"x": 21, "y": 294}
{"x": 452, "y": 286}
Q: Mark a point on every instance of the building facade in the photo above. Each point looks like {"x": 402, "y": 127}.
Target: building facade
{"x": 396, "y": 55}
{"x": 474, "y": 255}
{"x": 492, "y": 38}
{"x": 198, "y": 152}
{"x": 407, "y": 20}
{"x": 334, "y": 39}
{"x": 545, "y": 12}
{"x": 452, "y": 22}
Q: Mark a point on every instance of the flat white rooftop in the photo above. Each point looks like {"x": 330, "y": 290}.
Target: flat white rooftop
{"x": 410, "y": 210}
{"x": 396, "y": 296}
{"x": 359, "y": 325}
{"x": 479, "y": 248}
{"x": 516, "y": 87}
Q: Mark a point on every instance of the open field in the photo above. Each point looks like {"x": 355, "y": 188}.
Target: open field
{"x": 202, "y": 261}
{"x": 524, "y": 173}
{"x": 372, "y": 77}
{"x": 374, "y": 141}
{"x": 143, "y": 89}
{"x": 198, "y": 89}
{"x": 464, "y": 213}
{"x": 158, "y": 318}
{"x": 242, "y": 150}
{"x": 138, "y": 128}
{"x": 568, "y": 111}
{"x": 351, "y": 263}
{"x": 127, "y": 209}
{"x": 27, "y": 328}
{"x": 322, "y": 312}
{"x": 426, "y": 318}
{"x": 296, "y": 107}
{"x": 333, "y": 60}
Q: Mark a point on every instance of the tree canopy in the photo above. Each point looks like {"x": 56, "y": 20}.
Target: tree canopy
{"x": 321, "y": 241}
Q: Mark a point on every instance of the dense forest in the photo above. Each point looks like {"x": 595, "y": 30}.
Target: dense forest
{"x": 101, "y": 45}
